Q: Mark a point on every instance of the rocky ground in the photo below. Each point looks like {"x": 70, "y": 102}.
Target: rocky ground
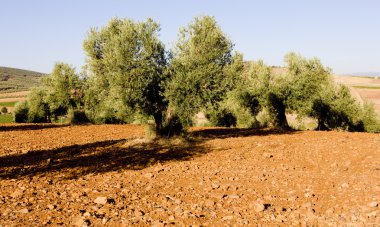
{"x": 112, "y": 176}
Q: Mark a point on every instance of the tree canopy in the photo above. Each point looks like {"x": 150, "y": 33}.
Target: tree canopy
{"x": 201, "y": 69}
{"x": 126, "y": 65}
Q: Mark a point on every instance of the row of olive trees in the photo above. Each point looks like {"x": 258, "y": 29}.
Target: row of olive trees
{"x": 305, "y": 88}
{"x": 129, "y": 75}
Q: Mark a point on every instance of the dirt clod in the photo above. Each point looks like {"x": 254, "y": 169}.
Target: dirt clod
{"x": 101, "y": 200}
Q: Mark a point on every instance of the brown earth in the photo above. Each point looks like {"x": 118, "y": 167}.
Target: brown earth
{"x": 111, "y": 175}
{"x": 14, "y": 94}
{"x": 13, "y": 99}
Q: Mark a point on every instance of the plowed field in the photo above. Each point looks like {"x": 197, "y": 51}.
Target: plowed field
{"x": 110, "y": 175}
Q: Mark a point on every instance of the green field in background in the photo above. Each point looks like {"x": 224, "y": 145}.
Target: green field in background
{"x": 6, "y": 118}
{"x": 8, "y": 104}
{"x": 367, "y": 87}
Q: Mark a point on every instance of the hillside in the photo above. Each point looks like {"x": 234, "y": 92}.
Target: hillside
{"x": 13, "y": 80}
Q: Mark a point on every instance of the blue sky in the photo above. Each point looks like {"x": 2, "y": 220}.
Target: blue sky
{"x": 345, "y": 35}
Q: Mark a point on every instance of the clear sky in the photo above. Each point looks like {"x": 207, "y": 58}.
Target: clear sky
{"x": 344, "y": 34}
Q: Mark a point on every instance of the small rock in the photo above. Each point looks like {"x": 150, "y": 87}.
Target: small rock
{"x": 259, "y": 207}
{"x": 23, "y": 211}
{"x": 17, "y": 193}
{"x": 177, "y": 201}
{"x": 159, "y": 168}
{"x": 209, "y": 203}
{"x": 79, "y": 221}
{"x": 215, "y": 186}
{"x": 178, "y": 211}
{"x": 234, "y": 196}
{"x": 134, "y": 220}
{"x": 218, "y": 195}
{"x": 135, "y": 197}
{"x": 373, "y": 204}
{"x": 307, "y": 205}
{"x": 334, "y": 165}
{"x": 308, "y": 195}
{"x": 267, "y": 155}
{"x": 169, "y": 198}
{"x": 227, "y": 218}
{"x": 149, "y": 175}
{"x": 139, "y": 213}
{"x": 86, "y": 223}
{"x": 6, "y": 212}
{"x": 330, "y": 211}
{"x": 50, "y": 207}
{"x": 101, "y": 200}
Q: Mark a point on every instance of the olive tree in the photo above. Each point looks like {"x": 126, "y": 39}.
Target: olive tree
{"x": 248, "y": 97}
{"x": 60, "y": 91}
{"x": 4, "y": 110}
{"x": 337, "y": 109}
{"x": 39, "y": 110}
{"x": 308, "y": 78}
{"x": 63, "y": 89}
{"x": 261, "y": 91}
{"x": 126, "y": 65}
{"x": 294, "y": 90}
{"x": 297, "y": 89}
{"x": 21, "y": 112}
{"x": 202, "y": 69}
{"x": 313, "y": 93}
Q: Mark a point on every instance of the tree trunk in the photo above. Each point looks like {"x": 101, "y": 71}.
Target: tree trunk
{"x": 158, "y": 121}
{"x": 277, "y": 110}
{"x": 281, "y": 121}
{"x": 321, "y": 125}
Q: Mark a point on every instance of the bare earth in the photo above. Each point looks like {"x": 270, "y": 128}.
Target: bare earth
{"x": 14, "y": 94}
{"x": 371, "y": 95}
{"x": 111, "y": 175}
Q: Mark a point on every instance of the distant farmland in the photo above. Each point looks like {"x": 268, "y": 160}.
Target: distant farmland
{"x": 363, "y": 88}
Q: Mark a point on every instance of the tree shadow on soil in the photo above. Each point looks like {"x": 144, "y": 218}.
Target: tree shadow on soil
{"x": 22, "y": 127}
{"x": 100, "y": 157}
{"x": 222, "y": 133}
{"x": 78, "y": 160}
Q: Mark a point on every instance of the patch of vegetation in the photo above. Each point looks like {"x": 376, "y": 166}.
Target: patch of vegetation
{"x": 8, "y": 104}
{"x": 367, "y": 87}
{"x": 12, "y": 80}
{"x": 6, "y": 118}
{"x": 367, "y": 77}
{"x": 4, "y": 110}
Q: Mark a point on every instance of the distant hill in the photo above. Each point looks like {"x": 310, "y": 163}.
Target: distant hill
{"x": 12, "y": 80}
{"x": 366, "y": 74}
